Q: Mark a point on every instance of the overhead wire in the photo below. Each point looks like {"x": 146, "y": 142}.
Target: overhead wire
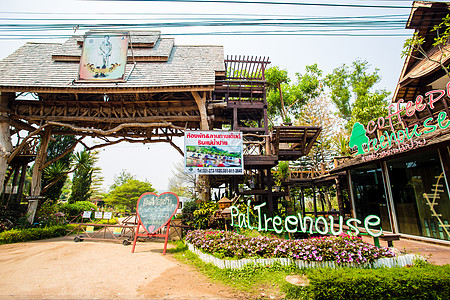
{"x": 42, "y": 25}
{"x": 347, "y": 5}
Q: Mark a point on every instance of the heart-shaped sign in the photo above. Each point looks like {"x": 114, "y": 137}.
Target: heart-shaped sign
{"x": 156, "y": 211}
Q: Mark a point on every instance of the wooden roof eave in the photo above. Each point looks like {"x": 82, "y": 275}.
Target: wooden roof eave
{"x": 415, "y": 18}
{"x": 99, "y": 90}
{"x": 402, "y": 77}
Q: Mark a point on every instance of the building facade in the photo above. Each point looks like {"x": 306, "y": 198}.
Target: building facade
{"x": 402, "y": 169}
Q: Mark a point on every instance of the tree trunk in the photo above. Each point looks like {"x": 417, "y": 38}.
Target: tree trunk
{"x": 203, "y": 180}
{"x": 37, "y": 174}
{"x": 5, "y": 141}
{"x": 283, "y": 109}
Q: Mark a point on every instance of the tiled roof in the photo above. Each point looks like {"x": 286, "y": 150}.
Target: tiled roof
{"x": 31, "y": 67}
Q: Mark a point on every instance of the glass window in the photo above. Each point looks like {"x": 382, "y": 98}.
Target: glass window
{"x": 420, "y": 195}
{"x": 370, "y": 195}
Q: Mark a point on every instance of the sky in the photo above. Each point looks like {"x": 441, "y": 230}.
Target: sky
{"x": 294, "y": 48}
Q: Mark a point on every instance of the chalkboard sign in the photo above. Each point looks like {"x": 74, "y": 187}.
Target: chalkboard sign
{"x": 155, "y": 211}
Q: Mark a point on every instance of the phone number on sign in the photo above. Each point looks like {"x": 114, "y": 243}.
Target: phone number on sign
{"x": 218, "y": 171}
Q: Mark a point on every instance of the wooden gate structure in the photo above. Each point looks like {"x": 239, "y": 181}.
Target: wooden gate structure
{"x": 167, "y": 89}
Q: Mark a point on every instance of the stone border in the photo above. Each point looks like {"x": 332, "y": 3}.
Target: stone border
{"x": 389, "y": 262}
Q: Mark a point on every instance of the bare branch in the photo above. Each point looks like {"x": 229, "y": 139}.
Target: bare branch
{"x": 117, "y": 128}
{"x": 63, "y": 154}
{"x": 24, "y": 142}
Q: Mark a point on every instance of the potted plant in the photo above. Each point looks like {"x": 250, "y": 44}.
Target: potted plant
{"x": 281, "y": 174}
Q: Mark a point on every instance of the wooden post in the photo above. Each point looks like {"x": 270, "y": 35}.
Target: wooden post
{"x": 269, "y": 195}
{"x": 339, "y": 197}
{"x": 23, "y": 174}
{"x": 205, "y": 193}
{"x": 14, "y": 186}
{"x": 235, "y": 118}
{"x": 37, "y": 173}
{"x": 303, "y": 202}
{"x": 315, "y": 201}
{"x": 5, "y": 140}
{"x": 201, "y": 103}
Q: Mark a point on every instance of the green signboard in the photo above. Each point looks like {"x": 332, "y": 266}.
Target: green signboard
{"x": 156, "y": 211}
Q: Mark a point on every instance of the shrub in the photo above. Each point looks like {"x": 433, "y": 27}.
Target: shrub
{"x": 106, "y": 221}
{"x": 48, "y": 215}
{"x": 202, "y": 215}
{"x": 31, "y": 234}
{"x": 74, "y": 209}
{"x": 13, "y": 218}
{"x": 421, "y": 282}
{"x": 188, "y": 213}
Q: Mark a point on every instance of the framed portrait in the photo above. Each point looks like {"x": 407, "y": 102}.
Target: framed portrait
{"x": 104, "y": 57}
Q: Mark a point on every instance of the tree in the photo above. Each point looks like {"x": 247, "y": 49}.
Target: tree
{"x": 319, "y": 112}
{"x": 127, "y": 194}
{"x": 120, "y": 179}
{"x": 285, "y": 101}
{"x": 181, "y": 183}
{"x": 358, "y": 137}
{"x": 369, "y": 107}
{"x": 54, "y": 175}
{"x": 352, "y": 95}
{"x": 66, "y": 190}
{"x": 97, "y": 183}
{"x": 276, "y": 80}
{"x": 82, "y": 177}
{"x": 414, "y": 46}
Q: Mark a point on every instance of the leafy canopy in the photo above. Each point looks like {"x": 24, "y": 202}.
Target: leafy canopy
{"x": 82, "y": 177}
{"x": 55, "y": 175}
{"x": 286, "y": 100}
{"x": 351, "y": 92}
{"x": 126, "y": 195}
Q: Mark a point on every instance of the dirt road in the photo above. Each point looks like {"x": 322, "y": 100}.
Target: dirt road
{"x": 60, "y": 268}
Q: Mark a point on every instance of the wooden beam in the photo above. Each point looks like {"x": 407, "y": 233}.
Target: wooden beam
{"x": 201, "y": 103}
{"x": 110, "y": 120}
{"x": 117, "y": 128}
{"x": 87, "y": 88}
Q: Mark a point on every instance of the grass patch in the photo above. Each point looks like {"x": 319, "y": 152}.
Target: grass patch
{"x": 256, "y": 281}
{"x": 421, "y": 281}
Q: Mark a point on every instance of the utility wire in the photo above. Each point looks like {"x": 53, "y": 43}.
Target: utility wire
{"x": 272, "y": 3}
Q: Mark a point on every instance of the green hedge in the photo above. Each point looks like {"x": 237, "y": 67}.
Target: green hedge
{"x": 421, "y": 282}
{"x": 31, "y": 234}
{"x": 74, "y": 209}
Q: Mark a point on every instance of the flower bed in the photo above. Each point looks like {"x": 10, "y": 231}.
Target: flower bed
{"x": 342, "y": 250}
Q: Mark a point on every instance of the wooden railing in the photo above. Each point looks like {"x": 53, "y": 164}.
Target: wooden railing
{"x": 256, "y": 144}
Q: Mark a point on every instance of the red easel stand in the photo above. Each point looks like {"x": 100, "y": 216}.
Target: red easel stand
{"x": 166, "y": 235}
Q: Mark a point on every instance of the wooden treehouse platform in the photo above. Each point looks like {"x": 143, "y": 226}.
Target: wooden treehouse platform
{"x": 167, "y": 89}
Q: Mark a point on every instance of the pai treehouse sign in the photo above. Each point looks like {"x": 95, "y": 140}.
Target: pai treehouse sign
{"x": 405, "y": 139}
{"x": 305, "y": 224}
